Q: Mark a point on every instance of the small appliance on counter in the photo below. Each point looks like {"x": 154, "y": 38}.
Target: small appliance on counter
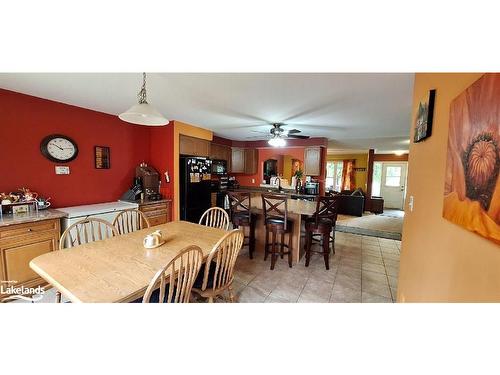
{"x": 134, "y": 193}
{"x": 311, "y": 188}
{"x": 233, "y": 183}
{"x": 150, "y": 179}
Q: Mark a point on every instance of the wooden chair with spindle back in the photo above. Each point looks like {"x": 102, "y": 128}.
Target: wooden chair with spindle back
{"x": 241, "y": 216}
{"x": 217, "y": 274}
{"x": 215, "y": 217}
{"x": 85, "y": 231}
{"x": 173, "y": 283}
{"x": 130, "y": 220}
{"x": 275, "y": 208}
{"x": 322, "y": 223}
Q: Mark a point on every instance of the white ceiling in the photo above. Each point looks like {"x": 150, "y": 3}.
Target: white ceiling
{"x": 355, "y": 111}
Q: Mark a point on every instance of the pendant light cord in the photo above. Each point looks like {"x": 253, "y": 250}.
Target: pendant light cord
{"x": 142, "y": 94}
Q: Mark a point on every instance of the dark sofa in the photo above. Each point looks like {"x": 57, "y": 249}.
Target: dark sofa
{"x": 350, "y": 204}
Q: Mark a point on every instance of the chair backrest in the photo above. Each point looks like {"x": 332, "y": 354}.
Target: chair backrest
{"x": 130, "y": 220}
{"x": 181, "y": 273}
{"x": 85, "y": 231}
{"x": 326, "y": 208}
{"x": 223, "y": 255}
{"x": 275, "y": 207}
{"x": 240, "y": 203}
{"x": 215, "y": 217}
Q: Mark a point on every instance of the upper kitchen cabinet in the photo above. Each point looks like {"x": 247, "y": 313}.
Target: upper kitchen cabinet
{"x": 194, "y": 146}
{"x": 237, "y": 160}
{"x": 251, "y": 160}
{"x": 312, "y": 161}
{"x": 220, "y": 152}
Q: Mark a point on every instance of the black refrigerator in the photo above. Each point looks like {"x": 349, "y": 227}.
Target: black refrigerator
{"x": 195, "y": 176}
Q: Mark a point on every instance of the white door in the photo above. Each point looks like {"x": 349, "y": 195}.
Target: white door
{"x": 393, "y": 186}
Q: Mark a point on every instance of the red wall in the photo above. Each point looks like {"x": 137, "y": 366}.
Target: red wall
{"x": 25, "y": 120}
{"x": 161, "y": 155}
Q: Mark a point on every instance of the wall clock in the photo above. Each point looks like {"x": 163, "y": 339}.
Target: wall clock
{"x": 59, "y": 148}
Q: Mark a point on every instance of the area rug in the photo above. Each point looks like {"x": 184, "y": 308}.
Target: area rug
{"x": 384, "y": 226}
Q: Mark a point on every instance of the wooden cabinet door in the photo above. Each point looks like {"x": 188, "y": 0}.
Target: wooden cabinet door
{"x": 251, "y": 161}
{"x": 238, "y": 160}
{"x": 312, "y": 161}
{"x": 194, "y": 146}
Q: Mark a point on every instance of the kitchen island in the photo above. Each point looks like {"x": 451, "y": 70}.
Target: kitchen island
{"x": 298, "y": 210}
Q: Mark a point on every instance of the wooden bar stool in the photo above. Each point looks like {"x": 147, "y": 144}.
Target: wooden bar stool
{"x": 322, "y": 223}
{"x": 277, "y": 225}
{"x": 241, "y": 216}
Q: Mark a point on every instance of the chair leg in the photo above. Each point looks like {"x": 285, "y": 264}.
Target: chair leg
{"x": 290, "y": 253}
{"x": 251, "y": 246}
{"x": 308, "y": 247}
{"x": 326, "y": 249}
{"x": 58, "y": 297}
{"x": 282, "y": 245}
{"x": 273, "y": 250}
{"x": 266, "y": 247}
{"x": 211, "y": 299}
{"x": 333, "y": 241}
{"x": 230, "y": 291}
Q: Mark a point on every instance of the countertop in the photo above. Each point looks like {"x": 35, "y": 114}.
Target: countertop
{"x": 294, "y": 206}
{"x": 10, "y": 219}
{"x": 257, "y": 189}
{"x": 145, "y": 202}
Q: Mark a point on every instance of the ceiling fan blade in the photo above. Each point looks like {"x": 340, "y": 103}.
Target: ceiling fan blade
{"x": 293, "y": 131}
{"x": 258, "y": 131}
{"x": 298, "y": 136}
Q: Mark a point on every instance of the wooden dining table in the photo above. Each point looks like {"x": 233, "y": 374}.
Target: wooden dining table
{"x": 119, "y": 269}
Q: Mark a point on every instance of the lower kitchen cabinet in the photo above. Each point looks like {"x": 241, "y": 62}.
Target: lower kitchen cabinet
{"x": 157, "y": 212}
{"x": 19, "y": 244}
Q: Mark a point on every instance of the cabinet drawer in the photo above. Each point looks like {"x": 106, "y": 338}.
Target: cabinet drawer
{"x": 20, "y": 230}
{"x": 153, "y": 207}
{"x": 155, "y": 213}
{"x": 157, "y": 220}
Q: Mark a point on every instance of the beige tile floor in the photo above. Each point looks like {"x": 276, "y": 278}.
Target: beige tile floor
{"x": 364, "y": 269}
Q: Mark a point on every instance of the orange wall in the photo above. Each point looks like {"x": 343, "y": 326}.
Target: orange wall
{"x": 441, "y": 261}
{"x": 269, "y": 153}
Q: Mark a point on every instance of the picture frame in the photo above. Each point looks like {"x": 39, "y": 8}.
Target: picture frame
{"x": 424, "y": 117}
{"x": 102, "y": 157}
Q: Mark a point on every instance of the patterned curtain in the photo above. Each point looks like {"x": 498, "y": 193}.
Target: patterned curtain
{"x": 348, "y": 179}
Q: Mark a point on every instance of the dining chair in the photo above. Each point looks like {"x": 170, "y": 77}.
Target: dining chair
{"x": 276, "y": 221}
{"x": 217, "y": 274}
{"x": 241, "y": 216}
{"x": 130, "y": 220}
{"x": 322, "y": 223}
{"x": 85, "y": 231}
{"x": 173, "y": 283}
{"x": 215, "y": 217}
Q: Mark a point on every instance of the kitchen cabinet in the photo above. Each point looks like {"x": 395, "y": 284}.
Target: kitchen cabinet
{"x": 220, "y": 152}
{"x": 157, "y": 212}
{"x": 194, "y": 146}
{"x": 251, "y": 160}
{"x": 312, "y": 161}
{"x": 19, "y": 244}
{"x": 237, "y": 160}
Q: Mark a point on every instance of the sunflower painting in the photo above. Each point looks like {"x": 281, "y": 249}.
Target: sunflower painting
{"x": 472, "y": 189}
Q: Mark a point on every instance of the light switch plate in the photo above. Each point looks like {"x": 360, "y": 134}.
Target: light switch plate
{"x": 410, "y": 203}
{"x": 62, "y": 169}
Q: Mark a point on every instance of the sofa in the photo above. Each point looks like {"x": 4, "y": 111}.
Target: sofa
{"x": 351, "y": 202}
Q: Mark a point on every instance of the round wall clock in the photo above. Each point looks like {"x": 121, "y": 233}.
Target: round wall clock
{"x": 59, "y": 148}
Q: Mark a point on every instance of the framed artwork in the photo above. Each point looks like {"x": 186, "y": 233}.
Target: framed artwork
{"x": 423, "y": 120}
{"x": 102, "y": 157}
{"x": 472, "y": 189}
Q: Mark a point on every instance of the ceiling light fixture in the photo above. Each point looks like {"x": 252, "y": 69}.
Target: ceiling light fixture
{"x": 399, "y": 152}
{"x": 142, "y": 113}
{"x": 277, "y": 142}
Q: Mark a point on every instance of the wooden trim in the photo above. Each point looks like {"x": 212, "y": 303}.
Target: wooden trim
{"x": 369, "y": 179}
{"x": 390, "y": 157}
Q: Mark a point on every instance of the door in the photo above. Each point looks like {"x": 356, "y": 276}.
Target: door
{"x": 393, "y": 184}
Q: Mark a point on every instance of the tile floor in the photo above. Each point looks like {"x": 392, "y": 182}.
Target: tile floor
{"x": 364, "y": 269}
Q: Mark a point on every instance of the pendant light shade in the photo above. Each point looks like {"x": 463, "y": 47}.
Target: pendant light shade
{"x": 277, "y": 142}
{"x": 143, "y": 113}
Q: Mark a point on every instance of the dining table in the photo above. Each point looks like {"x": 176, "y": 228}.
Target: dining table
{"x": 119, "y": 269}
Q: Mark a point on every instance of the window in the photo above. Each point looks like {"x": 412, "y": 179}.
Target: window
{"x": 334, "y": 175}
{"x": 393, "y": 176}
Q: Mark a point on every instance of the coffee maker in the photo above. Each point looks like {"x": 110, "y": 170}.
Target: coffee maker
{"x": 150, "y": 179}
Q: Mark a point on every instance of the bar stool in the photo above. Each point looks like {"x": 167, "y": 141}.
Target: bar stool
{"x": 322, "y": 223}
{"x": 241, "y": 216}
{"x": 277, "y": 225}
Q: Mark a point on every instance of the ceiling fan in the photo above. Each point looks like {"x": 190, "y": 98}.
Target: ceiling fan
{"x": 278, "y": 135}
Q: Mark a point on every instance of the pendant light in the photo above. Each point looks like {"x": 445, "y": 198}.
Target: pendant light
{"x": 277, "y": 141}
{"x": 142, "y": 113}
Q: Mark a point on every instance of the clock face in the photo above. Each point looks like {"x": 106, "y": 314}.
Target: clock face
{"x": 59, "y": 148}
